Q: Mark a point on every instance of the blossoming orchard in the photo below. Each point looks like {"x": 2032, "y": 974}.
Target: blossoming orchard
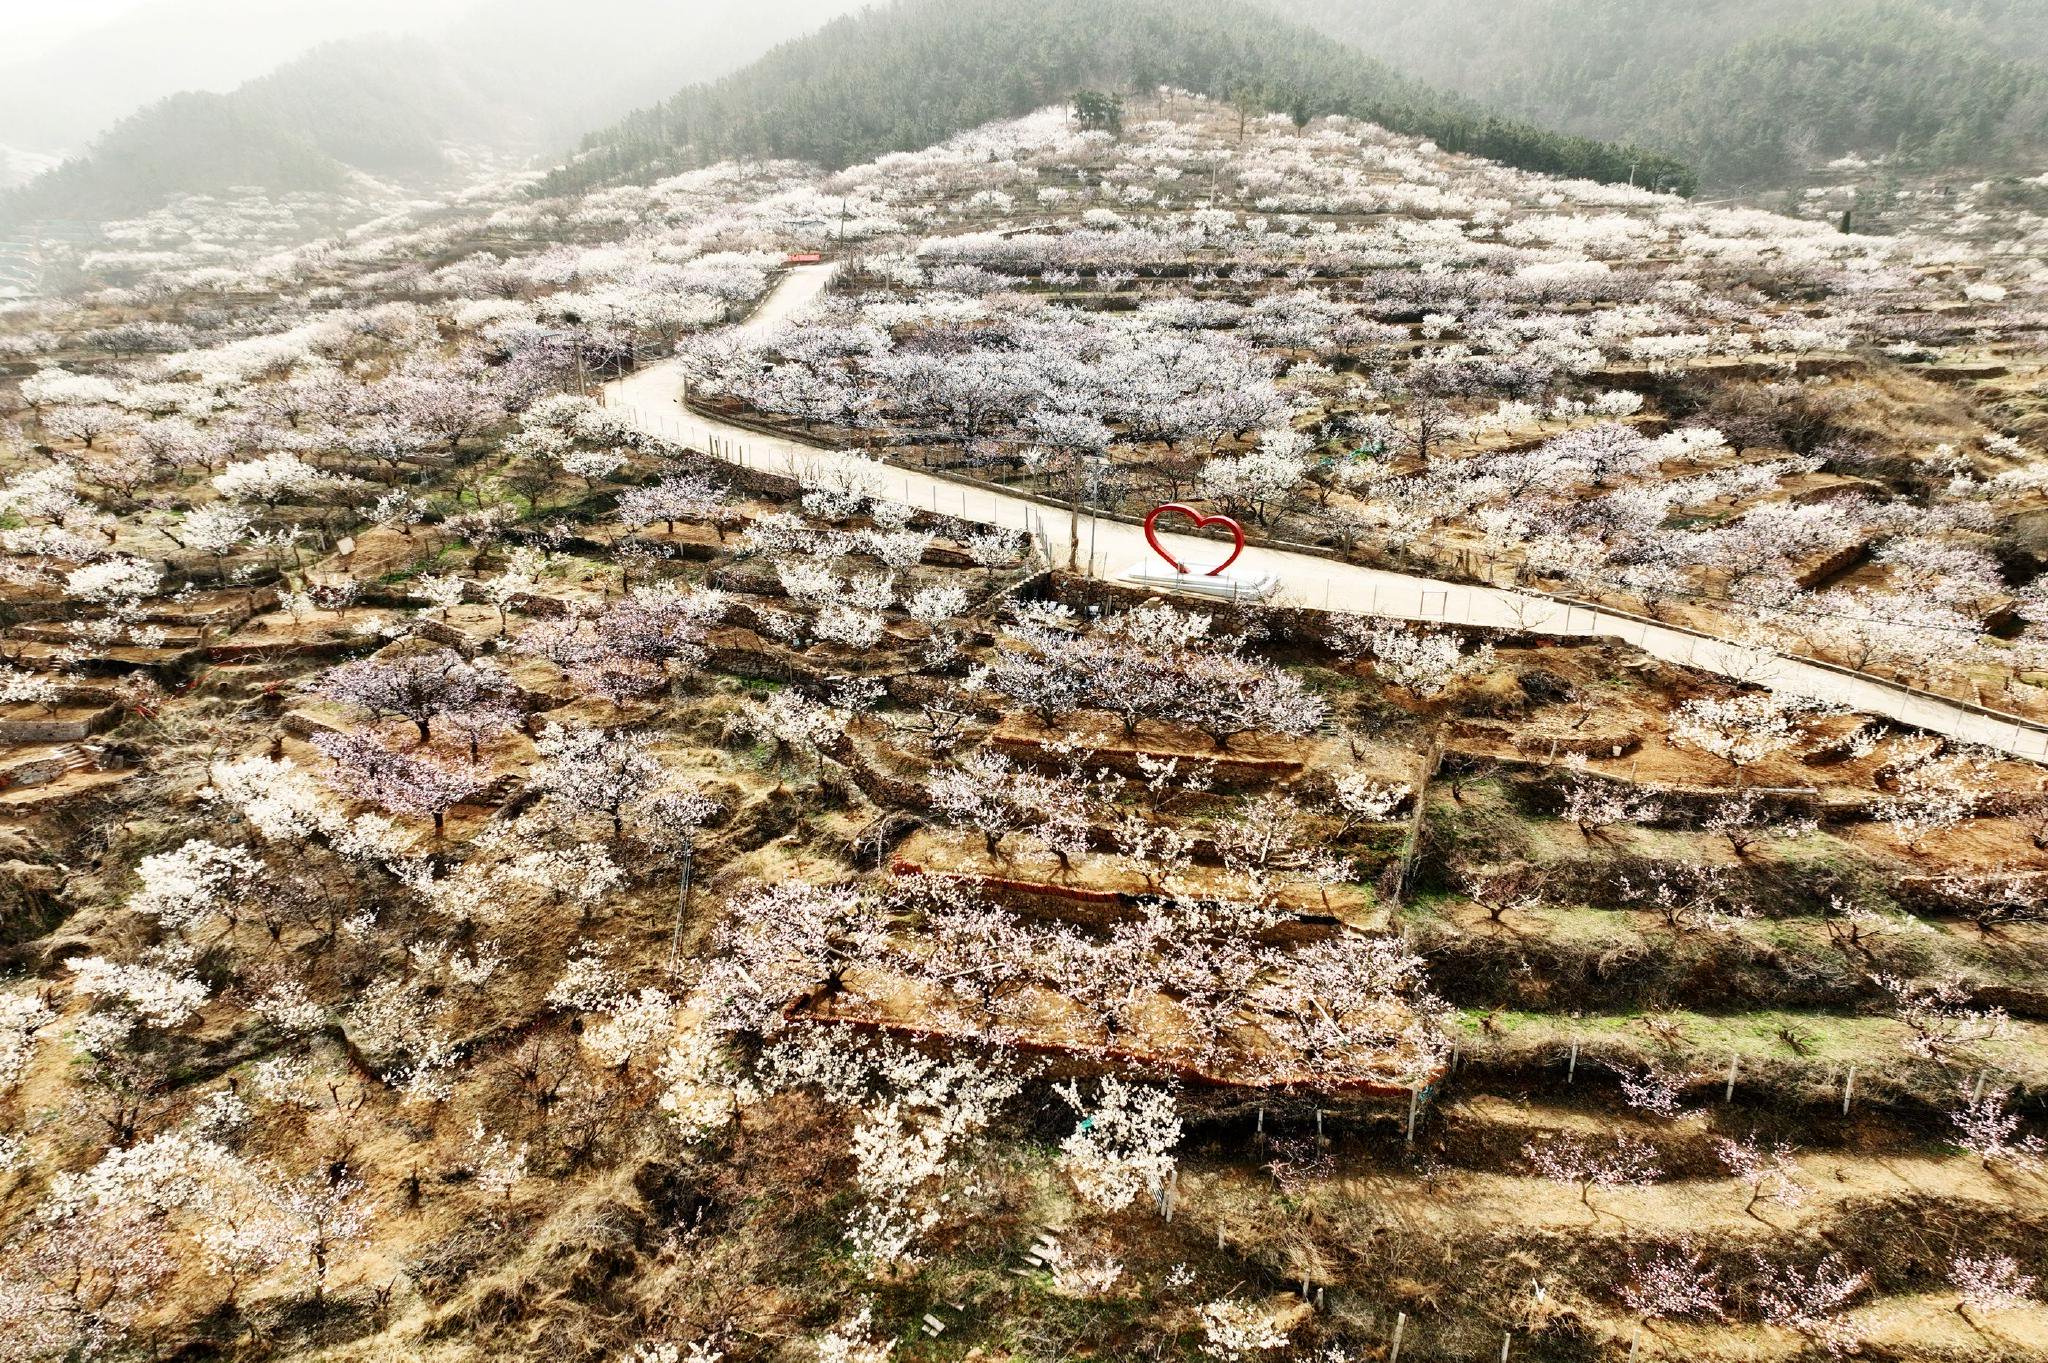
{"x": 576, "y": 789}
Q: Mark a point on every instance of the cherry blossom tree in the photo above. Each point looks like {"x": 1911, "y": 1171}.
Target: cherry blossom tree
{"x": 447, "y": 402}
{"x": 1745, "y": 820}
{"x": 475, "y": 725}
{"x": 1812, "y": 1301}
{"x": 326, "y": 1216}
{"x": 276, "y": 479}
{"x": 29, "y": 688}
{"x": 989, "y": 794}
{"x": 1933, "y": 798}
{"x": 1939, "y": 1016}
{"x": 184, "y": 887}
{"x": 1769, "y": 1172}
{"x": 1686, "y": 898}
{"x": 1624, "y": 1162}
{"x": 679, "y": 497}
{"x": 1595, "y": 804}
{"x": 1503, "y": 889}
{"x": 1350, "y": 998}
{"x": 794, "y": 722}
{"x": 1989, "y": 1130}
{"x": 1746, "y": 729}
{"x": 1040, "y": 670}
{"x": 22, "y": 1016}
{"x": 1255, "y": 483}
{"x": 1123, "y": 1145}
{"x": 853, "y": 1341}
{"x": 1234, "y": 1331}
{"x": 496, "y": 1163}
{"x": 1422, "y": 662}
{"x": 84, "y": 422}
{"x": 159, "y": 991}
{"x": 417, "y": 684}
{"x": 1225, "y": 695}
{"x": 1992, "y": 1282}
{"x": 598, "y": 773}
{"x": 402, "y": 782}
{"x": 218, "y": 530}
{"x": 906, "y": 1148}
{"x": 1673, "y": 1284}
{"x": 79, "y": 1282}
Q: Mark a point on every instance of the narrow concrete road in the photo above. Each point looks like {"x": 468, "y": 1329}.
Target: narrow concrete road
{"x": 652, "y": 399}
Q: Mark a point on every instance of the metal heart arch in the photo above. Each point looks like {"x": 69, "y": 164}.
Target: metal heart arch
{"x": 1201, "y": 523}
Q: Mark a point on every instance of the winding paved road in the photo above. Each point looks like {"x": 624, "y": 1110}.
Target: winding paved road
{"x": 652, "y": 398}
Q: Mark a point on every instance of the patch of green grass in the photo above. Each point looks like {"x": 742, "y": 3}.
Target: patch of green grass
{"x": 1328, "y": 681}
{"x": 421, "y": 567}
{"x": 1427, "y": 906}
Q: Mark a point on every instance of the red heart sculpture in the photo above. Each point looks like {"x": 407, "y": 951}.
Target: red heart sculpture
{"x": 1201, "y": 522}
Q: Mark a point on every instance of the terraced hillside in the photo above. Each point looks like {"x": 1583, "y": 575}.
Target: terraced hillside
{"x": 495, "y": 867}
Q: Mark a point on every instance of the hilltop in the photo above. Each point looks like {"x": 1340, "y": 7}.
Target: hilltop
{"x": 901, "y": 77}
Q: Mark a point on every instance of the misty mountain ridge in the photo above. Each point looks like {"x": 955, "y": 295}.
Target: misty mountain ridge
{"x": 510, "y": 76}
{"x": 1751, "y": 92}
{"x": 380, "y": 107}
{"x": 58, "y": 96}
{"x": 904, "y": 76}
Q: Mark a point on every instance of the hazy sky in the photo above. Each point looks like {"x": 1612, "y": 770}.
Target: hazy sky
{"x": 70, "y": 67}
{"x": 32, "y": 27}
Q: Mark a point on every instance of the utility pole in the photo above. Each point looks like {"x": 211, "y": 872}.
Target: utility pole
{"x": 675, "y": 941}
{"x": 1074, "y": 528}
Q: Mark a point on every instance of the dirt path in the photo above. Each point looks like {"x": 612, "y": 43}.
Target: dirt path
{"x": 652, "y": 398}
